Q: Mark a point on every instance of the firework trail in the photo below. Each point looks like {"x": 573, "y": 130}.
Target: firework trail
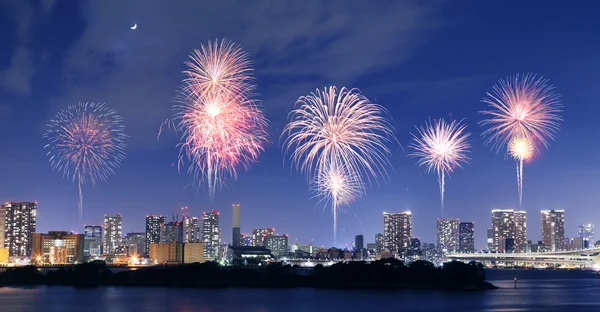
{"x": 521, "y": 149}
{"x": 441, "y": 147}
{"x": 339, "y": 187}
{"x": 338, "y": 136}
{"x": 86, "y": 143}
{"x": 222, "y": 128}
{"x": 523, "y": 107}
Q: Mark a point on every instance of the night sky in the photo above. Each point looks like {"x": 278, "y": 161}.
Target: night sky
{"x": 418, "y": 61}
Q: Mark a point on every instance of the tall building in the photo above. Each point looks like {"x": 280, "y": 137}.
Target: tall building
{"x": 153, "y": 226}
{"x": 135, "y": 243}
{"x": 113, "y": 233}
{"x": 277, "y": 244}
{"x": 191, "y": 230}
{"x": 211, "y": 235}
{"x": 19, "y": 226}
{"x": 490, "y": 240}
{"x": 57, "y": 248}
{"x": 520, "y": 242}
{"x": 92, "y": 241}
{"x": 171, "y": 232}
{"x": 512, "y": 225}
{"x": 359, "y": 242}
{"x": 397, "y": 230}
{"x": 466, "y": 237}
{"x": 2, "y": 227}
{"x": 258, "y": 236}
{"x": 236, "y": 235}
{"x": 447, "y": 235}
{"x": 379, "y": 243}
{"x": 586, "y": 232}
{"x": 553, "y": 229}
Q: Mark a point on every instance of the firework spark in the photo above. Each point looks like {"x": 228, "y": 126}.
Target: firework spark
{"x": 222, "y": 126}
{"x": 522, "y": 107}
{"x": 441, "y": 147}
{"x": 338, "y": 187}
{"x": 86, "y": 143}
{"x": 521, "y": 149}
{"x": 330, "y": 128}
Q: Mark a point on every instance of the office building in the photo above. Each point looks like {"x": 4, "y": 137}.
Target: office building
{"x": 553, "y": 229}
{"x": 277, "y": 244}
{"x": 258, "y": 236}
{"x": 171, "y": 232}
{"x": 379, "y": 243}
{"x": 2, "y": 227}
{"x": 166, "y": 253}
{"x": 447, "y": 235}
{"x": 236, "y": 235}
{"x": 520, "y": 243}
{"x": 586, "y": 232}
{"x": 191, "y": 230}
{"x": 113, "y": 233}
{"x": 57, "y": 248}
{"x": 466, "y": 237}
{"x": 153, "y": 225}
{"x": 508, "y": 223}
{"x": 359, "y": 242}
{"x": 490, "y": 240}
{"x": 397, "y": 231}
{"x": 19, "y": 226}
{"x": 211, "y": 235}
{"x": 135, "y": 244}
{"x": 193, "y": 252}
{"x": 92, "y": 241}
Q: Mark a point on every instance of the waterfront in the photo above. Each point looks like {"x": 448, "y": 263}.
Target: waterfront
{"x": 538, "y": 290}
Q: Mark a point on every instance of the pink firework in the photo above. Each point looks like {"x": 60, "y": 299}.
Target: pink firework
{"x": 521, "y": 106}
{"x": 338, "y": 139}
{"x": 222, "y": 126}
{"x": 441, "y": 147}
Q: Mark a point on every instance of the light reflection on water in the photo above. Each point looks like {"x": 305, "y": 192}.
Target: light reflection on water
{"x": 537, "y": 291}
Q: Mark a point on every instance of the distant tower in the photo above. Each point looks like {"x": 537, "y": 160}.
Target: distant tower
{"x": 447, "y": 235}
{"x": 113, "y": 233}
{"x": 211, "y": 235}
{"x": 236, "y": 235}
{"x": 19, "y": 226}
{"x": 586, "y": 232}
{"x": 153, "y": 226}
{"x": 397, "y": 230}
{"x": 466, "y": 237}
{"x": 553, "y": 229}
{"x": 509, "y": 226}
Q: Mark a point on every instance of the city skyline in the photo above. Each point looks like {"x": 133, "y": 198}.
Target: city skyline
{"x": 444, "y": 73}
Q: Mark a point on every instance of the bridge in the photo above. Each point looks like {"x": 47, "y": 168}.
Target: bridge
{"x": 584, "y": 257}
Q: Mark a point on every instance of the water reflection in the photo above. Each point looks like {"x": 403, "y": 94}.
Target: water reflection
{"x": 546, "y": 291}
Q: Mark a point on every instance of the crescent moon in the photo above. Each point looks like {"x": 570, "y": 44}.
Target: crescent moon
{"x": 134, "y": 26}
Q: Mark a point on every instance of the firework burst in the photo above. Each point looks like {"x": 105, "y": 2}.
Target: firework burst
{"x": 521, "y": 150}
{"x": 521, "y": 106}
{"x": 221, "y": 124}
{"x": 337, "y": 186}
{"x": 441, "y": 147}
{"x": 86, "y": 143}
{"x": 526, "y": 109}
{"x": 338, "y": 136}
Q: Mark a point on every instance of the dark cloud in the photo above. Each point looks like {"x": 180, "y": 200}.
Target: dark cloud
{"x": 296, "y": 47}
{"x": 17, "y": 77}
